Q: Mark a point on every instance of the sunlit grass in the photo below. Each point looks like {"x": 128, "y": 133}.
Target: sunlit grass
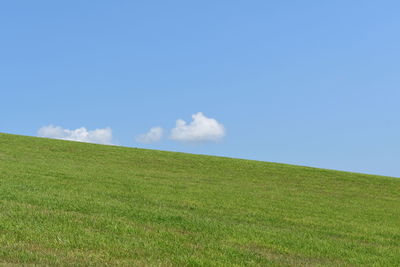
{"x": 68, "y": 203}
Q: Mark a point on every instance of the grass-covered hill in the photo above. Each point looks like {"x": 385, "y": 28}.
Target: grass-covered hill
{"x": 69, "y": 203}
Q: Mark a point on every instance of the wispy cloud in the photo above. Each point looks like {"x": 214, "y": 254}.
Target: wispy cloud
{"x": 154, "y": 135}
{"x": 200, "y": 129}
{"x": 99, "y": 136}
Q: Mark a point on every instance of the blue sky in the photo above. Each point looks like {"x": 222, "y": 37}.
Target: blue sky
{"x": 312, "y": 83}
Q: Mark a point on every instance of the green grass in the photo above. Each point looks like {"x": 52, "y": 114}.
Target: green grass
{"x": 69, "y": 203}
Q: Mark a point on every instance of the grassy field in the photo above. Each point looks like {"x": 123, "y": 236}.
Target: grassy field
{"x": 69, "y": 203}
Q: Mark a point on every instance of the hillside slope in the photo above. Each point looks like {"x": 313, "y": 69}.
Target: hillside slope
{"x": 69, "y": 203}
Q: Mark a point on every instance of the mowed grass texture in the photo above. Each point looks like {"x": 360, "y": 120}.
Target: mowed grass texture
{"x": 69, "y": 203}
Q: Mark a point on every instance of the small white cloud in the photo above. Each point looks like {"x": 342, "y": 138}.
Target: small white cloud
{"x": 201, "y": 129}
{"x": 154, "y": 135}
{"x": 99, "y": 136}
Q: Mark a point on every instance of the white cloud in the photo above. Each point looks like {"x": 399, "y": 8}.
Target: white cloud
{"x": 99, "y": 136}
{"x": 154, "y": 135}
{"x": 201, "y": 129}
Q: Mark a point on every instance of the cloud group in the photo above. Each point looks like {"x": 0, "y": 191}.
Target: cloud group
{"x": 98, "y": 136}
{"x": 154, "y": 135}
{"x": 200, "y": 129}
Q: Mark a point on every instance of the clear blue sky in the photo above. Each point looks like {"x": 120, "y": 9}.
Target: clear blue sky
{"x": 314, "y": 83}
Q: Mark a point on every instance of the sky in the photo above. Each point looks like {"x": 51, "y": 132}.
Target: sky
{"x": 314, "y": 83}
